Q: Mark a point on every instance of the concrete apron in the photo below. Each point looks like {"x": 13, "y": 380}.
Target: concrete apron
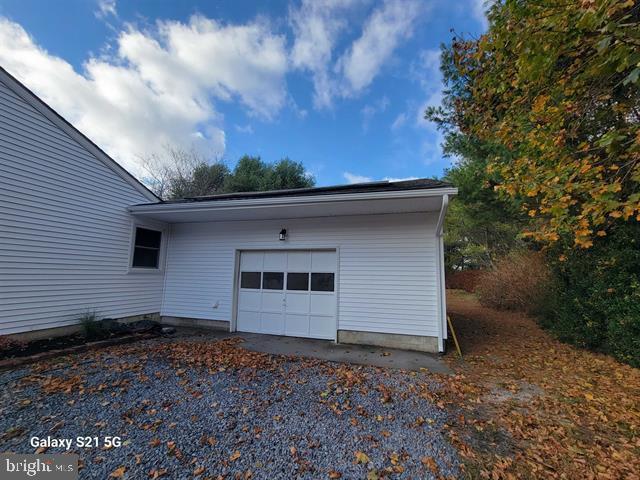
{"x": 342, "y": 353}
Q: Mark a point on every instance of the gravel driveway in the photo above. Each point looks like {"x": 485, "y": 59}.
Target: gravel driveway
{"x": 188, "y": 408}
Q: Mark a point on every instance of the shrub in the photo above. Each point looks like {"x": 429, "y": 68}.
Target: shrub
{"x": 594, "y": 297}
{"x": 91, "y": 326}
{"x": 466, "y": 280}
{"x": 517, "y": 281}
{"x": 7, "y": 343}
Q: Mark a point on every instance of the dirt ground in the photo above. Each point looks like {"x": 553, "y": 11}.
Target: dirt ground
{"x": 532, "y": 407}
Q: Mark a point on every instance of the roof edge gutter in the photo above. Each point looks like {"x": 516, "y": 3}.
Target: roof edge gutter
{"x": 443, "y": 213}
{"x": 287, "y": 201}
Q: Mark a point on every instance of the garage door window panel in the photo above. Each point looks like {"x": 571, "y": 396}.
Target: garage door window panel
{"x": 298, "y": 281}
{"x": 322, "y": 282}
{"x": 250, "y": 280}
{"x": 273, "y": 281}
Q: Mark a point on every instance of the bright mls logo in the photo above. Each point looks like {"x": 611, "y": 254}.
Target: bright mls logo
{"x": 51, "y": 467}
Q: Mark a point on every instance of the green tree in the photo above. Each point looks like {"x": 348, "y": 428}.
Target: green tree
{"x": 251, "y": 174}
{"x": 247, "y": 176}
{"x": 287, "y": 174}
{"x": 544, "y": 110}
{"x": 480, "y": 225}
{"x": 204, "y": 180}
{"x": 179, "y": 173}
{"x": 552, "y": 90}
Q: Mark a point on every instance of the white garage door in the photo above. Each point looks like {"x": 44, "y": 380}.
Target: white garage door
{"x": 288, "y": 293}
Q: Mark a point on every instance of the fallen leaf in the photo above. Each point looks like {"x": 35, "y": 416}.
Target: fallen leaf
{"x": 118, "y": 472}
{"x": 333, "y": 474}
{"x": 361, "y": 457}
{"x": 235, "y": 455}
{"x": 430, "y": 463}
{"x": 157, "y": 473}
{"x": 198, "y": 471}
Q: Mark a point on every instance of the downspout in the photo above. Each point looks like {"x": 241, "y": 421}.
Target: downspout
{"x": 441, "y": 283}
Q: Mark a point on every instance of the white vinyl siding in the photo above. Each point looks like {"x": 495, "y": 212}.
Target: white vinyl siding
{"x": 65, "y": 233}
{"x": 386, "y": 281}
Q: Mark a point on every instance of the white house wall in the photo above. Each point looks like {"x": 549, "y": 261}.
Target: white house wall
{"x": 64, "y": 228}
{"x": 387, "y": 280}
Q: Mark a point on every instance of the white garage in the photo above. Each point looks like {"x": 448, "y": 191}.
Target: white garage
{"x": 288, "y": 293}
{"x": 352, "y": 263}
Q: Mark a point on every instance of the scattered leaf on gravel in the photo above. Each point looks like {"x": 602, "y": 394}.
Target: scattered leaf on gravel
{"x": 118, "y": 472}
{"x": 157, "y": 473}
{"x": 235, "y": 455}
{"x": 361, "y": 457}
{"x": 373, "y": 475}
{"x": 198, "y": 471}
{"x": 430, "y": 463}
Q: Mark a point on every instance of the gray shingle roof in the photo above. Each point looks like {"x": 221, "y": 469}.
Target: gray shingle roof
{"x": 384, "y": 186}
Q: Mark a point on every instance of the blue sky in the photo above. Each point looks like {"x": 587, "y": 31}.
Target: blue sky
{"x": 339, "y": 85}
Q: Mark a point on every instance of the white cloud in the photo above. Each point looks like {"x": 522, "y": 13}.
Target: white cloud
{"x": 248, "y": 129}
{"x": 203, "y": 56}
{"x": 158, "y": 87}
{"x": 478, "y": 10}
{"x": 355, "y": 178}
{"x": 399, "y": 121}
{"x": 371, "y": 110}
{"x": 317, "y": 25}
{"x": 426, "y": 71}
{"x": 383, "y": 32}
{"x": 106, "y": 8}
{"x": 403, "y": 179}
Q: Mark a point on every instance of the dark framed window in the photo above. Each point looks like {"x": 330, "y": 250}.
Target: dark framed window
{"x": 250, "y": 280}
{"x": 322, "y": 282}
{"x": 146, "y": 248}
{"x": 273, "y": 280}
{"x": 297, "y": 281}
